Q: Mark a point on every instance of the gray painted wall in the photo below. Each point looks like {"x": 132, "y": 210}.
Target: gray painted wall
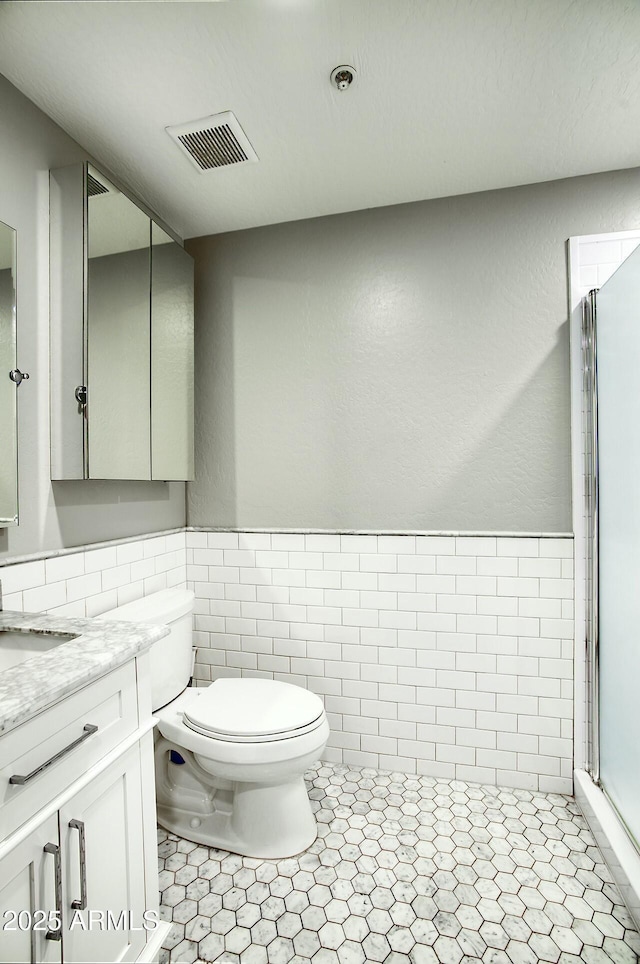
{"x": 399, "y": 368}
{"x": 60, "y": 513}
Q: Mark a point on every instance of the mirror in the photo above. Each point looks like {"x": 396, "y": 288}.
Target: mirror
{"x": 117, "y": 335}
{"x": 8, "y": 403}
{"x": 121, "y": 336}
{"x": 171, "y": 358}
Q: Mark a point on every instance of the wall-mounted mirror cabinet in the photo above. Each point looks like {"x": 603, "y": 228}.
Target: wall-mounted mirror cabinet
{"x": 8, "y": 385}
{"x": 121, "y": 337}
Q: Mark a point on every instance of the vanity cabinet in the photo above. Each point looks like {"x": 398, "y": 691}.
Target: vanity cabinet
{"x": 121, "y": 336}
{"x": 46, "y": 873}
{"x": 27, "y": 873}
{"x": 107, "y": 813}
{"x": 87, "y": 856}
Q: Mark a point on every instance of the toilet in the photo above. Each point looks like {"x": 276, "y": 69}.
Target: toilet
{"x": 230, "y": 757}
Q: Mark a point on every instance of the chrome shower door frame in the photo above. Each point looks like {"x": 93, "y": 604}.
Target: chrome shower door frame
{"x": 590, "y": 370}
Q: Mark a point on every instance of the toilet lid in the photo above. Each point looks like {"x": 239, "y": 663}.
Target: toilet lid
{"x": 253, "y": 710}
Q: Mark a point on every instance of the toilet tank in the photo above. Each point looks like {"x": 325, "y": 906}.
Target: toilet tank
{"x": 171, "y": 656}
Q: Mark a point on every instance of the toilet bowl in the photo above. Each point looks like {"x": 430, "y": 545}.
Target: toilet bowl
{"x": 230, "y": 757}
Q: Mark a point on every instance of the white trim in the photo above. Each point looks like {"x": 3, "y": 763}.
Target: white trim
{"x": 151, "y": 952}
{"x": 577, "y": 505}
{"x": 87, "y": 547}
{"x": 607, "y": 236}
{"x": 461, "y": 533}
{"x": 619, "y": 852}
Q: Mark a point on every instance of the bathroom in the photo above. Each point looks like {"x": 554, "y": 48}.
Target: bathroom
{"x": 388, "y": 503}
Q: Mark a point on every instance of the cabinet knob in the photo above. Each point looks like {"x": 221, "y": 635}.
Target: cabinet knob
{"x": 81, "y": 394}
{"x": 17, "y": 376}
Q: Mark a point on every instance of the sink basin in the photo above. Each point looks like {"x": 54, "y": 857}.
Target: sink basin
{"x": 16, "y": 647}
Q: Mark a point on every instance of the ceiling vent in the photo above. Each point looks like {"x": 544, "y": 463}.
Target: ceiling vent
{"x": 97, "y": 184}
{"x": 215, "y": 141}
{"x": 94, "y": 186}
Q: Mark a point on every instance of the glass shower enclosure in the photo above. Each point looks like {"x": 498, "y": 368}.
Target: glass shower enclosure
{"x": 611, "y": 342}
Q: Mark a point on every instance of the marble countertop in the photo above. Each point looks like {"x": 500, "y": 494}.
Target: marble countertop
{"x": 97, "y": 647}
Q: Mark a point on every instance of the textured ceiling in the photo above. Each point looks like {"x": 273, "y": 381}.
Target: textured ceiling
{"x": 452, "y": 96}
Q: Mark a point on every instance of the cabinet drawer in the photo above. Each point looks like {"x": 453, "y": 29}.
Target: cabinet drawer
{"x": 64, "y": 732}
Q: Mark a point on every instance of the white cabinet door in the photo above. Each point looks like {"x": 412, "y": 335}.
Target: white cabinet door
{"x": 104, "y": 893}
{"x": 28, "y": 898}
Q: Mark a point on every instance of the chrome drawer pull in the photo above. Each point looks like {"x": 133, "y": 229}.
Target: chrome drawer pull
{"x": 82, "y": 903}
{"x": 89, "y": 729}
{"x": 56, "y": 934}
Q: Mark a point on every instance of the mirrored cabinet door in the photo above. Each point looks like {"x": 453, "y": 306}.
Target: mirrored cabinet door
{"x": 118, "y": 340}
{"x": 171, "y": 358}
{"x": 121, "y": 336}
{"x": 8, "y": 405}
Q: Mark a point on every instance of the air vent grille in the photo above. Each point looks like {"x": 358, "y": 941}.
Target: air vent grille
{"x": 213, "y": 148}
{"x": 215, "y": 141}
{"x": 94, "y": 186}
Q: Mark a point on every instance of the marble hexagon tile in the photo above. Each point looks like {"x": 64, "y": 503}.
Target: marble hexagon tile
{"x": 404, "y": 869}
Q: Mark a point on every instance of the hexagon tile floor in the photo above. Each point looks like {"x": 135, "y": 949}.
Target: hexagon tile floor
{"x": 405, "y": 869}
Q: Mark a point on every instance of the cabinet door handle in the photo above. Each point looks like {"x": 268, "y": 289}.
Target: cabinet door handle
{"x": 51, "y": 848}
{"x": 82, "y": 903}
{"x": 89, "y": 729}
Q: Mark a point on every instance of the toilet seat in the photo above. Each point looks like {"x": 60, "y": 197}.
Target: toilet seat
{"x": 252, "y": 711}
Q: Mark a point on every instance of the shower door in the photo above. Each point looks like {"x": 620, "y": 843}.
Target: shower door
{"x": 617, "y": 347}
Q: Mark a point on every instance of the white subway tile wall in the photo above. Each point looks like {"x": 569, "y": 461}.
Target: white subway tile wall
{"x": 88, "y": 582}
{"x": 438, "y": 655}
